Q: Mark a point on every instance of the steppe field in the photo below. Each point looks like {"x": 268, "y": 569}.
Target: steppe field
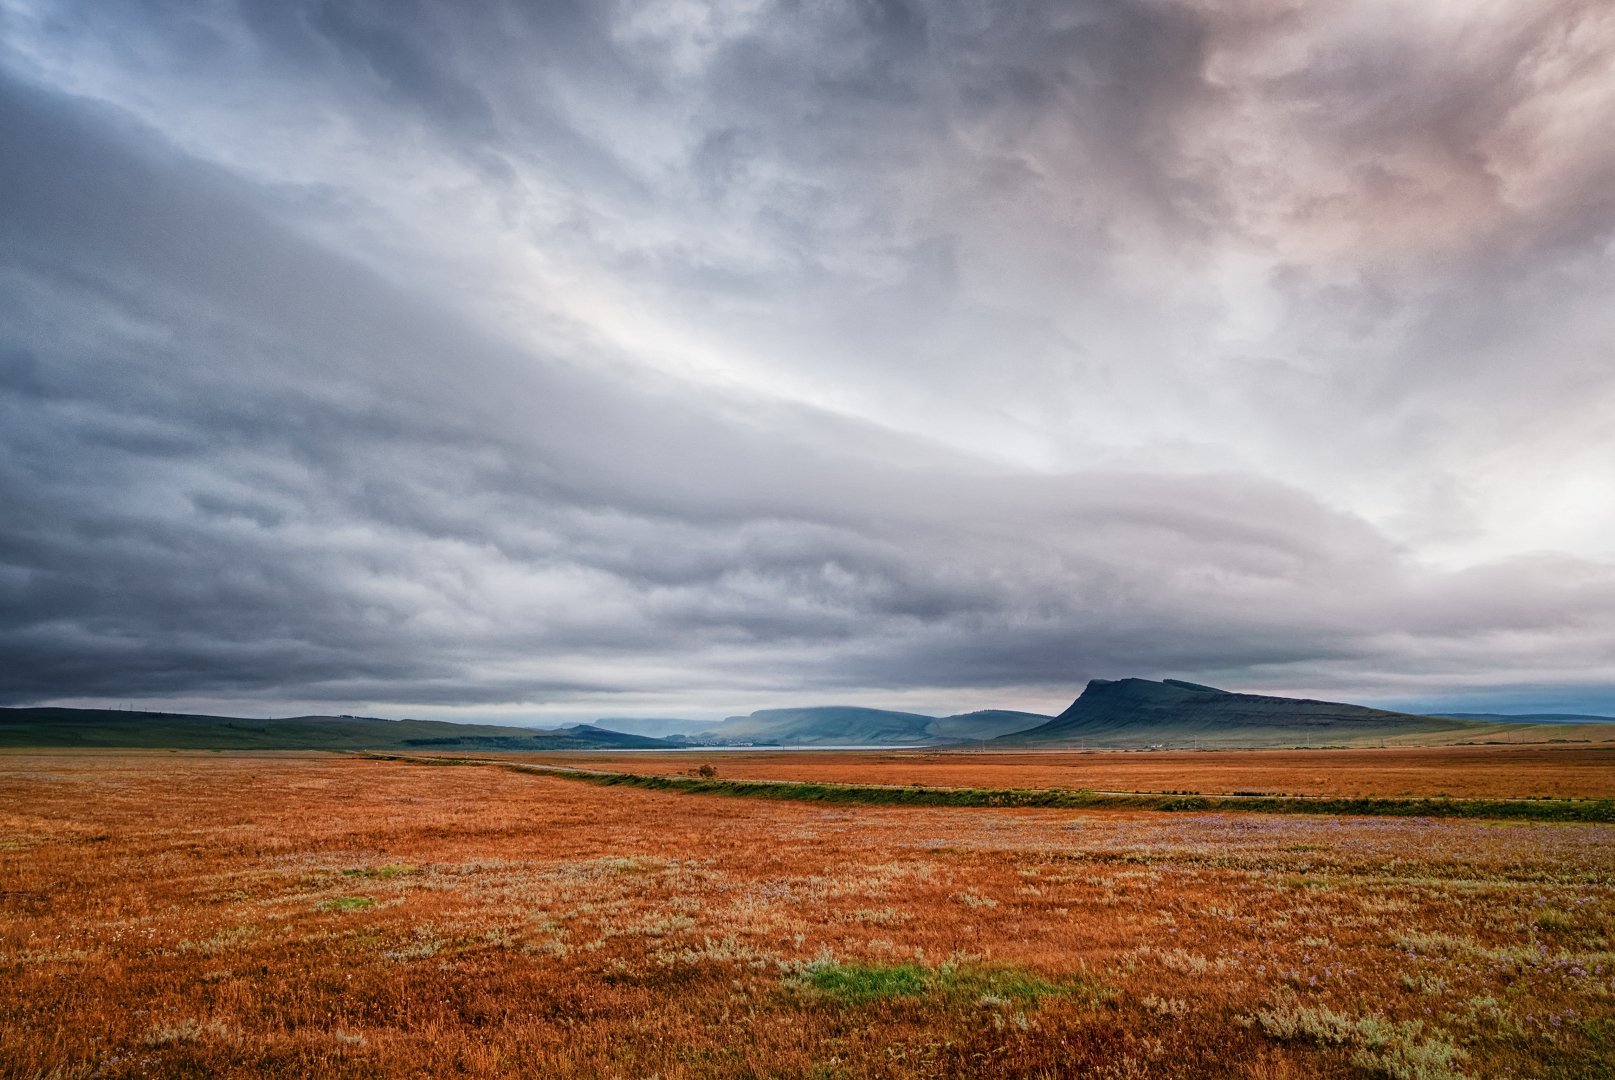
{"x": 207, "y": 914}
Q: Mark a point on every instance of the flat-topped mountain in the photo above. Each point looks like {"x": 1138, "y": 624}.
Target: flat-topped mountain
{"x": 1142, "y": 712}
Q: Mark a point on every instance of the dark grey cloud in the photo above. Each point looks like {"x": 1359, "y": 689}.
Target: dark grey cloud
{"x": 701, "y": 357}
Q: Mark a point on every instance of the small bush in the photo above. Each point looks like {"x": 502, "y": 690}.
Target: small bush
{"x": 1554, "y": 919}
{"x": 1398, "y": 1051}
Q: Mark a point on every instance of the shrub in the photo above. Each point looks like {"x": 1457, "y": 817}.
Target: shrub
{"x": 1399, "y": 1051}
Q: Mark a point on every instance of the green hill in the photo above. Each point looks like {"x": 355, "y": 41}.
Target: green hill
{"x": 56, "y": 727}
{"x": 850, "y": 725}
{"x": 823, "y": 725}
{"x": 986, "y": 724}
{"x": 1141, "y": 712}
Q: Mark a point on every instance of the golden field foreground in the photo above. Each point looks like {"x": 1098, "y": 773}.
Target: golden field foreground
{"x": 282, "y": 914}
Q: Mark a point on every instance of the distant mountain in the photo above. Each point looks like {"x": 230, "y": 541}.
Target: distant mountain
{"x": 1121, "y": 713}
{"x": 598, "y": 738}
{"x": 656, "y": 727}
{"x": 849, "y": 725}
{"x": 828, "y": 724}
{"x": 986, "y": 724}
{"x": 54, "y": 727}
{"x": 1141, "y": 712}
{"x": 1530, "y": 718}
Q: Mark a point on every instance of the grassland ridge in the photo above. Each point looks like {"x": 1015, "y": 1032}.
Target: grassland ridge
{"x": 1568, "y": 810}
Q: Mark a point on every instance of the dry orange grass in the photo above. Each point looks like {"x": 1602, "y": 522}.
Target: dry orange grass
{"x": 208, "y": 914}
{"x": 1463, "y": 772}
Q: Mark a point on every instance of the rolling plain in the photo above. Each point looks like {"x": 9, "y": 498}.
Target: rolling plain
{"x": 194, "y": 913}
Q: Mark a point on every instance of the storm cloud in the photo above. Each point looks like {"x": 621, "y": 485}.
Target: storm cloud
{"x": 561, "y": 360}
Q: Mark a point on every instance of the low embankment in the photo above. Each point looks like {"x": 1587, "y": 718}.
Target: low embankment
{"x": 1557, "y": 771}
{"x": 1584, "y": 810}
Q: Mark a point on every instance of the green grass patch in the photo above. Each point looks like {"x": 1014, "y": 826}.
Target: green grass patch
{"x": 384, "y": 873}
{"x": 346, "y": 903}
{"x": 854, "y": 984}
{"x": 948, "y": 983}
{"x": 1600, "y": 1031}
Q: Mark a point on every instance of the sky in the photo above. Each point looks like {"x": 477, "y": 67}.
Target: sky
{"x": 546, "y": 361}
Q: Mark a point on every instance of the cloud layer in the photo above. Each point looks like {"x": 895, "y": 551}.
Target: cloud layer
{"x": 565, "y": 360}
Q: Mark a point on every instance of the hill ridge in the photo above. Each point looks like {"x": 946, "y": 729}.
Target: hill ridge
{"x": 859, "y": 725}
{"x": 58, "y": 726}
